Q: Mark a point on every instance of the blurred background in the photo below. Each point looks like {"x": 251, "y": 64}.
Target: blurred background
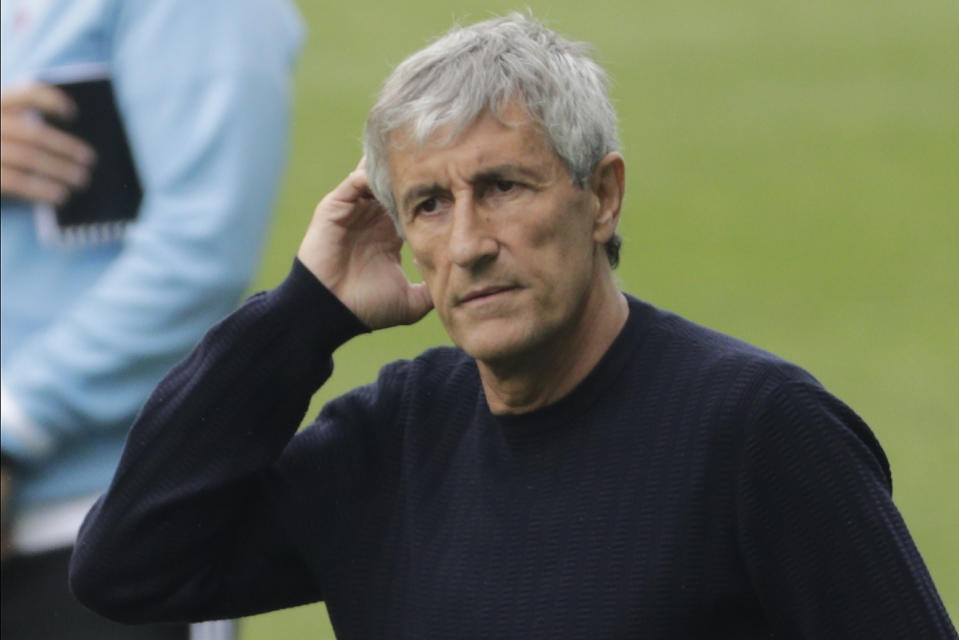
{"x": 793, "y": 180}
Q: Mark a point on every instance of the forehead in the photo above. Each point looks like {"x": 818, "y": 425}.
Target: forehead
{"x": 511, "y": 139}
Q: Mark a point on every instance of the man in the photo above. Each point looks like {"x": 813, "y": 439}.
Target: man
{"x": 580, "y": 465}
{"x": 96, "y": 310}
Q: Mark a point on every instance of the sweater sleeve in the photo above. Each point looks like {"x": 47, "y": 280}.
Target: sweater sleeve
{"x": 826, "y": 549}
{"x": 194, "y": 524}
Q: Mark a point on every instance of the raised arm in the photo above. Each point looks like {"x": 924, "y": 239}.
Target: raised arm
{"x": 203, "y": 518}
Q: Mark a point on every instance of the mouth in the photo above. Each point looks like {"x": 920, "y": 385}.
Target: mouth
{"x": 486, "y": 293}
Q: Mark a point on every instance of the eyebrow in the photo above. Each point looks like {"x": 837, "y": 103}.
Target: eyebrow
{"x": 487, "y": 175}
{"x": 421, "y": 191}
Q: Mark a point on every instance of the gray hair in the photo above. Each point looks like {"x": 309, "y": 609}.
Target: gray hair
{"x": 486, "y": 66}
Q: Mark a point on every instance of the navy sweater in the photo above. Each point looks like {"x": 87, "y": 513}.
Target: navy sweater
{"x": 691, "y": 486}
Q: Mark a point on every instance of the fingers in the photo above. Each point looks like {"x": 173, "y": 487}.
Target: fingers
{"x": 26, "y": 129}
{"x": 32, "y": 159}
{"x": 30, "y": 186}
{"x": 355, "y": 187}
{"x": 33, "y": 172}
{"x": 37, "y": 160}
{"x": 351, "y": 204}
{"x": 39, "y": 97}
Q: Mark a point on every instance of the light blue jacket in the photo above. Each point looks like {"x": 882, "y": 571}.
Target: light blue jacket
{"x": 204, "y": 88}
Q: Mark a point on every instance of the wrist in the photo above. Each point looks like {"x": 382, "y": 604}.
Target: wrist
{"x": 318, "y": 304}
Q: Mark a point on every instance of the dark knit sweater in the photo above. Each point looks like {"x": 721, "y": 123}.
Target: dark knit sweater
{"x": 691, "y": 486}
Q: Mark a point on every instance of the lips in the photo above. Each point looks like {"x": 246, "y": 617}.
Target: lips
{"x": 484, "y": 292}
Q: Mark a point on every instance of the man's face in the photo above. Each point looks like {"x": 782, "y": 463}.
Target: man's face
{"x": 502, "y": 238}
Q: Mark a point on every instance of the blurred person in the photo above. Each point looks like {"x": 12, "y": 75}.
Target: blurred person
{"x": 580, "y": 465}
{"x": 94, "y": 314}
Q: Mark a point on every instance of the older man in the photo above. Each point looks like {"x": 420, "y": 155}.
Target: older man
{"x": 581, "y": 465}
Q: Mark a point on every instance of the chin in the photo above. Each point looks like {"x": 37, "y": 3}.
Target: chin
{"x": 495, "y": 344}
{"x": 491, "y": 353}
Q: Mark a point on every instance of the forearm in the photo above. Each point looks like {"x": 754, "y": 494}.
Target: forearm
{"x": 185, "y": 527}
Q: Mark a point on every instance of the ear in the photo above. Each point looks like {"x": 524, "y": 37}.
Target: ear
{"x": 608, "y": 185}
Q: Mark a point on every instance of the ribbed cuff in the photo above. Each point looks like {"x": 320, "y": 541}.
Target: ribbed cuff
{"x": 303, "y": 292}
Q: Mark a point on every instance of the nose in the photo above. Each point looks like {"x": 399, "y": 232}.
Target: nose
{"x": 472, "y": 240}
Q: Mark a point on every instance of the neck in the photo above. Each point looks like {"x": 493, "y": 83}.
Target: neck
{"x": 549, "y": 371}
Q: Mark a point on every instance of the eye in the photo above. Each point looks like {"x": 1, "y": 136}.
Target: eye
{"x": 504, "y": 186}
{"x": 427, "y": 206}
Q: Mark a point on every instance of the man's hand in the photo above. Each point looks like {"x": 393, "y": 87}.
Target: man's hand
{"x": 38, "y": 161}
{"x": 353, "y": 248}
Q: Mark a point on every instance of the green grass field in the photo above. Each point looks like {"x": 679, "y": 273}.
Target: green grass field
{"x": 793, "y": 180}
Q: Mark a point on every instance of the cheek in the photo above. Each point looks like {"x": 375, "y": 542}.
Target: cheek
{"x": 430, "y": 266}
{"x": 427, "y": 268}
{"x": 560, "y": 241}
{"x": 560, "y": 257}
{"x": 423, "y": 250}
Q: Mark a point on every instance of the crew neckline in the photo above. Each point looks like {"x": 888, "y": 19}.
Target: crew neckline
{"x": 591, "y": 388}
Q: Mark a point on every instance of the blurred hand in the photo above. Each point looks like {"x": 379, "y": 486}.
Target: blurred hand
{"x": 38, "y": 161}
{"x": 353, "y": 248}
